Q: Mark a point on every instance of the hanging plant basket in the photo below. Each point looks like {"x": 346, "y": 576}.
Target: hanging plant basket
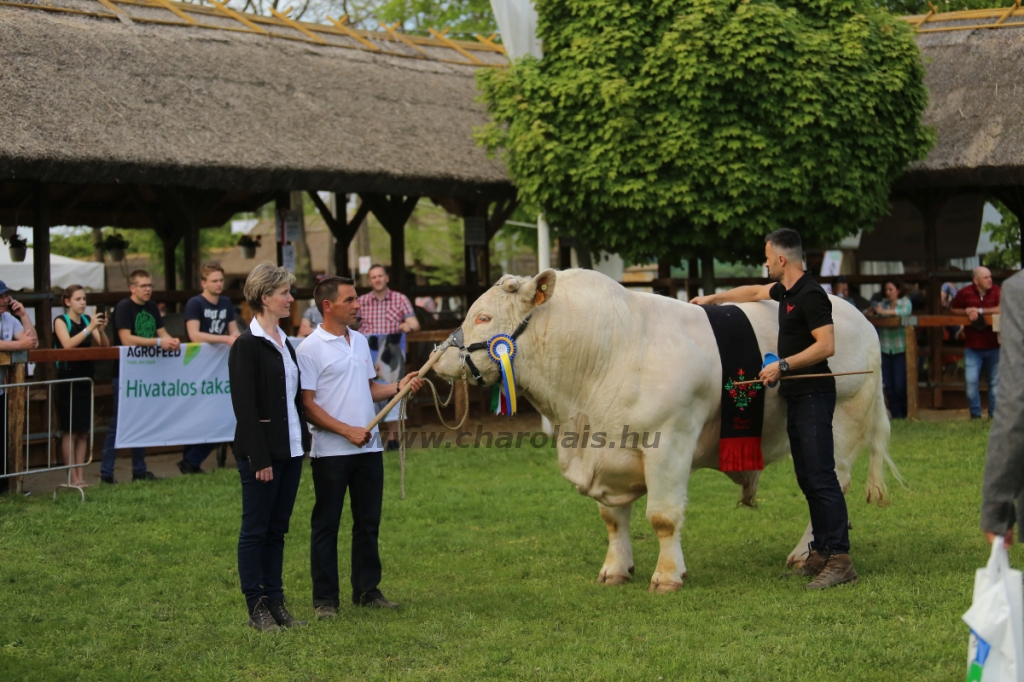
{"x": 114, "y": 244}
{"x": 18, "y": 253}
{"x": 248, "y": 252}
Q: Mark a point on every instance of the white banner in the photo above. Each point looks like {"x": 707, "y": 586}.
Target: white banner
{"x": 174, "y": 397}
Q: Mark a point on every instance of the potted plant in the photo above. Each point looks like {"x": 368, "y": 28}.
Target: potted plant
{"x": 249, "y": 245}
{"x": 18, "y": 248}
{"x": 115, "y": 245}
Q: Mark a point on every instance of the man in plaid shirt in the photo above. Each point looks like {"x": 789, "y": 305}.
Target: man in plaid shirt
{"x": 385, "y": 317}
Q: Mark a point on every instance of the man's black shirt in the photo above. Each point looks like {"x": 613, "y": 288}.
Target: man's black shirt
{"x": 802, "y": 309}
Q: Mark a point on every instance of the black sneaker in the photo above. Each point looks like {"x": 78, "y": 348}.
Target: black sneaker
{"x": 261, "y": 619}
{"x": 280, "y": 613}
{"x": 148, "y": 476}
{"x": 378, "y": 602}
{"x": 186, "y": 468}
{"x": 109, "y": 480}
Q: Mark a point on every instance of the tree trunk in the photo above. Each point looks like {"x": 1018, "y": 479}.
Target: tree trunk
{"x": 707, "y": 271}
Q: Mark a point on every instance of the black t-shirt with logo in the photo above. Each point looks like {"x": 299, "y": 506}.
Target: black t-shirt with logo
{"x": 802, "y": 309}
{"x": 213, "y": 318}
{"x": 140, "y": 320}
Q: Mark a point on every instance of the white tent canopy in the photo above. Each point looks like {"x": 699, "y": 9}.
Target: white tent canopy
{"x": 64, "y": 272}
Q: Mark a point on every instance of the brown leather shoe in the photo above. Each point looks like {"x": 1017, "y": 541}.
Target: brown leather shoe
{"x": 325, "y": 611}
{"x": 812, "y": 566}
{"x": 838, "y": 571}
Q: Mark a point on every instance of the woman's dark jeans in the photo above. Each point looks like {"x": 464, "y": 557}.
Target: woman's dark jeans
{"x": 809, "y": 424}
{"x": 266, "y": 511}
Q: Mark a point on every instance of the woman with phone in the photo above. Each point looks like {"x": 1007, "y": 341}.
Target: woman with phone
{"x": 74, "y": 329}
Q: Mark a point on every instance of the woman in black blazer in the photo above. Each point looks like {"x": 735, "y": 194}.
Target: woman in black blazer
{"x": 270, "y": 439}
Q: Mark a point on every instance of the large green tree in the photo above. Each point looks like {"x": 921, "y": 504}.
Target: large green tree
{"x": 669, "y": 129}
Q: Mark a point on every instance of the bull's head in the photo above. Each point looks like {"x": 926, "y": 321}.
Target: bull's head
{"x": 502, "y": 309}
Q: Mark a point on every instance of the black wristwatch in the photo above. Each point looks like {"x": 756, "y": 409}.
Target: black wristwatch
{"x": 783, "y": 366}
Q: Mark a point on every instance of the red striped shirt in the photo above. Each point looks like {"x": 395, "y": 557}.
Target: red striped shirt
{"x": 383, "y": 316}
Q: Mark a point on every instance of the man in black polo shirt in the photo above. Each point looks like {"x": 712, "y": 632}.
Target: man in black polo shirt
{"x": 806, "y": 341}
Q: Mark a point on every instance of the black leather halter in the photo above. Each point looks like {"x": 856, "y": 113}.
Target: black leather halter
{"x": 456, "y": 340}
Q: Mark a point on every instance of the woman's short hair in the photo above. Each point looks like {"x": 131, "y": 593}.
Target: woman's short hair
{"x": 70, "y": 291}
{"x": 264, "y": 279}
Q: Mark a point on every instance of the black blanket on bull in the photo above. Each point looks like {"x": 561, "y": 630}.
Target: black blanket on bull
{"x": 739, "y": 447}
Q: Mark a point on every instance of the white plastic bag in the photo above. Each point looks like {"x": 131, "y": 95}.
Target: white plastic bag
{"x": 996, "y": 618}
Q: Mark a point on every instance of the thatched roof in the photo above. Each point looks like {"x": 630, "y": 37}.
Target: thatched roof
{"x": 145, "y": 97}
{"x": 975, "y": 78}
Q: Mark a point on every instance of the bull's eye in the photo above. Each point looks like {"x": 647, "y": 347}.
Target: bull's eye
{"x": 483, "y": 319}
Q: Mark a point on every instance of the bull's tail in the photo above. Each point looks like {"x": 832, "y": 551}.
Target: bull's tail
{"x": 878, "y": 437}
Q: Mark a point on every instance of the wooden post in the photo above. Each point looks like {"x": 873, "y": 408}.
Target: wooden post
{"x": 16, "y": 417}
{"x": 911, "y": 359}
{"x": 41, "y": 263}
{"x": 97, "y": 251}
{"x": 190, "y": 276}
{"x": 170, "y": 240}
{"x": 282, "y": 204}
{"x": 397, "y": 275}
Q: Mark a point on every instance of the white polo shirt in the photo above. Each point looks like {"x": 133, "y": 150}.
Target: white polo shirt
{"x": 340, "y": 373}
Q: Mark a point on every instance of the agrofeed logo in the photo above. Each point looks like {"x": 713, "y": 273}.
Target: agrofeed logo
{"x": 191, "y": 353}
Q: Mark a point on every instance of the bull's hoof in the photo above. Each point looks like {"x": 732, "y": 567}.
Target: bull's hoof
{"x": 611, "y": 579}
{"x": 665, "y": 588}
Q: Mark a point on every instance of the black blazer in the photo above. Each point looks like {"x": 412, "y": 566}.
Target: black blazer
{"x": 258, "y": 396}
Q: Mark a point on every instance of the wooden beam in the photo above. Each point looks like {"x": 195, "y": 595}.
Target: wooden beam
{"x": 340, "y": 24}
{"x": 41, "y": 282}
{"x": 16, "y": 415}
{"x": 440, "y": 35}
{"x": 45, "y": 355}
{"x": 171, "y": 8}
{"x": 232, "y": 14}
{"x": 283, "y": 16}
{"x": 489, "y": 42}
{"x": 399, "y": 38}
{"x": 911, "y": 360}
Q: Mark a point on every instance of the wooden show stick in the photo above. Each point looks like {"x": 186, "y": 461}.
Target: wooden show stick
{"x": 434, "y": 357}
{"x": 806, "y": 376}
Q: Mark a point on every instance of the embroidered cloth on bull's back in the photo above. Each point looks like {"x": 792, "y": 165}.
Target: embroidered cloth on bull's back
{"x": 739, "y": 445}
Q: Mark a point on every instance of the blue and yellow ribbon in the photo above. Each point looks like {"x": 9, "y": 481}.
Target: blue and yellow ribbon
{"x": 502, "y": 349}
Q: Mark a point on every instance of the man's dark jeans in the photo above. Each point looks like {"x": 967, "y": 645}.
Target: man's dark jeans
{"x": 809, "y": 425}
{"x": 266, "y": 511}
{"x": 894, "y": 379}
{"x": 110, "y": 452}
{"x": 363, "y": 476}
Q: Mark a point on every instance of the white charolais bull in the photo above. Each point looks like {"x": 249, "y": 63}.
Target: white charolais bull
{"x": 597, "y": 357}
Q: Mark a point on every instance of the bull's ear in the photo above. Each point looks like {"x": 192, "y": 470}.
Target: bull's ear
{"x": 539, "y": 289}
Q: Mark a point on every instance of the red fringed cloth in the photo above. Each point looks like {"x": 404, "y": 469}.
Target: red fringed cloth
{"x": 739, "y": 447}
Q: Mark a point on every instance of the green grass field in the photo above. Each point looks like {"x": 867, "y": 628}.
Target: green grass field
{"x": 494, "y": 558}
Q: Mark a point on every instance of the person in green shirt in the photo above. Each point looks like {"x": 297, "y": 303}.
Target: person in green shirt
{"x": 893, "y": 341}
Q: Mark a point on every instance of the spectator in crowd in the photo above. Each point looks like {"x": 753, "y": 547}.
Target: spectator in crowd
{"x": 843, "y": 291}
{"x": 74, "y": 329}
{"x": 338, "y": 392}
{"x": 16, "y": 334}
{"x": 428, "y": 303}
{"x": 386, "y": 316}
{"x": 209, "y": 318}
{"x": 312, "y": 317}
{"x": 893, "y": 341}
{"x": 948, "y": 294}
{"x": 981, "y": 345}
{"x": 1002, "y": 502}
{"x": 137, "y": 322}
{"x": 271, "y": 437}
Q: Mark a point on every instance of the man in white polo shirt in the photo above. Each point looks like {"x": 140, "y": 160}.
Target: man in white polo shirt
{"x": 338, "y": 392}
